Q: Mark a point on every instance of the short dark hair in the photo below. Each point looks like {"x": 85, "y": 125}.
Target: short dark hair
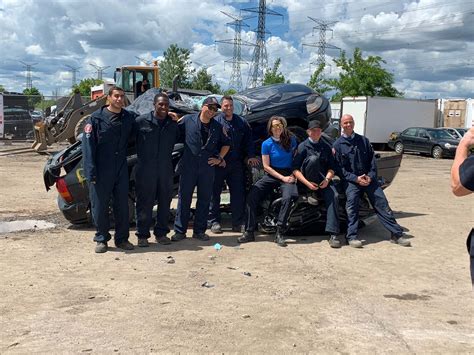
{"x": 112, "y": 88}
{"x": 159, "y": 95}
{"x": 227, "y": 97}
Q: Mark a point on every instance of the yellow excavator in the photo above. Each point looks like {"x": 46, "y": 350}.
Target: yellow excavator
{"x": 68, "y": 122}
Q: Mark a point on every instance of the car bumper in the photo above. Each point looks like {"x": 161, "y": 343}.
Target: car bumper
{"x": 76, "y": 213}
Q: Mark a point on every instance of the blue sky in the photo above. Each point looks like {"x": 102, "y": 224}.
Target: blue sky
{"x": 428, "y": 44}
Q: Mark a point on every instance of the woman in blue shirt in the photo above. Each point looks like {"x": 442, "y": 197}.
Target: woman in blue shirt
{"x": 277, "y": 158}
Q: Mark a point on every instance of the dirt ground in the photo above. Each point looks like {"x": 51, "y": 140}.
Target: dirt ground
{"x": 58, "y": 296}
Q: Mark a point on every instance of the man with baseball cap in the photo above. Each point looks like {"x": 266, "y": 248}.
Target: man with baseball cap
{"x": 314, "y": 167}
{"x": 205, "y": 145}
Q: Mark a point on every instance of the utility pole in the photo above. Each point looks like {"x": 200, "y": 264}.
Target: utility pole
{"x": 236, "y": 76}
{"x": 99, "y": 70}
{"x": 73, "y": 71}
{"x": 323, "y": 27}
{"x": 260, "y": 59}
{"x": 29, "y": 79}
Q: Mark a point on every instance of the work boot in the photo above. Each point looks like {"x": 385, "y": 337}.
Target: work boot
{"x": 101, "y": 247}
{"x": 334, "y": 242}
{"x": 163, "y": 239}
{"x": 246, "y": 237}
{"x": 400, "y": 240}
{"x": 125, "y": 245}
{"x": 355, "y": 243}
{"x": 201, "y": 236}
{"x": 216, "y": 228}
{"x": 143, "y": 243}
{"x": 279, "y": 239}
{"x": 177, "y": 237}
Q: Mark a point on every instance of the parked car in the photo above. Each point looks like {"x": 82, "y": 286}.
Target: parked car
{"x": 457, "y": 133}
{"x": 64, "y": 169}
{"x": 436, "y": 142}
{"x": 37, "y": 116}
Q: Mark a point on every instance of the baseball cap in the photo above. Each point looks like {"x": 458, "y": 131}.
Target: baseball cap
{"x": 211, "y": 100}
{"x": 314, "y": 124}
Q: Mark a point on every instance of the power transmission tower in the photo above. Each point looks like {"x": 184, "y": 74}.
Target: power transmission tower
{"x": 73, "y": 71}
{"x": 99, "y": 70}
{"x": 29, "y": 79}
{"x": 260, "y": 59}
{"x": 236, "y": 76}
{"x": 323, "y": 27}
{"x": 144, "y": 61}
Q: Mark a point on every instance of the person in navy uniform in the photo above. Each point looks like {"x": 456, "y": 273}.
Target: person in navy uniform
{"x": 156, "y": 134}
{"x": 462, "y": 181}
{"x": 104, "y": 146}
{"x": 232, "y": 172}
{"x": 315, "y": 167}
{"x": 205, "y": 146}
{"x": 356, "y": 159}
{"x": 277, "y": 158}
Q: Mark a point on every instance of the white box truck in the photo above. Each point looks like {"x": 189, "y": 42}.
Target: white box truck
{"x": 376, "y": 117}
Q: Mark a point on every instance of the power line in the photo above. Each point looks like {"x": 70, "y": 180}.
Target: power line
{"x": 260, "y": 59}
{"x": 74, "y": 71}
{"x": 323, "y": 27}
{"x": 29, "y": 79}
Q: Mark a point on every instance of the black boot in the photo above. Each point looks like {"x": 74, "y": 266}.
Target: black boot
{"x": 279, "y": 239}
{"x": 246, "y": 237}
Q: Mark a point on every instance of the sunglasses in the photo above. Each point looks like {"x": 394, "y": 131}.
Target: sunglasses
{"x": 277, "y": 125}
{"x": 212, "y": 108}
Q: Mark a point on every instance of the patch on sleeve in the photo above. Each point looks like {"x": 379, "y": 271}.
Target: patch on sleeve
{"x": 88, "y": 128}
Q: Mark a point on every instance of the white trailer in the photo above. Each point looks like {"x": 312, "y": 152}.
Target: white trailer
{"x": 377, "y": 117}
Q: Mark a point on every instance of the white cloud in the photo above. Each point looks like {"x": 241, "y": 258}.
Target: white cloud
{"x": 34, "y": 49}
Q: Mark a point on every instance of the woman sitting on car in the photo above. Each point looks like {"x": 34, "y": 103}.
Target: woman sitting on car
{"x": 277, "y": 158}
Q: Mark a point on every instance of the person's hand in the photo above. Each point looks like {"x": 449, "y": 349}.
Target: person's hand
{"x": 222, "y": 164}
{"x": 214, "y": 161}
{"x": 289, "y": 179}
{"x": 174, "y": 116}
{"x": 312, "y": 186}
{"x": 253, "y": 162}
{"x": 324, "y": 184}
{"x": 362, "y": 180}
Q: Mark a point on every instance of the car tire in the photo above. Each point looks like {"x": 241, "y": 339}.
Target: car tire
{"x": 437, "y": 152}
{"x": 399, "y": 147}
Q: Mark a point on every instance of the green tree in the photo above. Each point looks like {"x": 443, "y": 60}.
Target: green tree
{"x": 230, "y": 92}
{"x": 362, "y": 77}
{"x": 202, "y": 80}
{"x": 317, "y": 81}
{"x": 273, "y": 76}
{"x": 2, "y": 89}
{"x": 176, "y": 62}
{"x": 35, "y": 96}
{"x": 84, "y": 87}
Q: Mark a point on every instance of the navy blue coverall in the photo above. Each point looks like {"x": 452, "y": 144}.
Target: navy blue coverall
{"x": 104, "y": 147}
{"x": 194, "y": 170}
{"x": 241, "y": 146}
{"x": 155, "y": 140}
{"x": 356, "y": 157}
{"x": 314, "y": 160}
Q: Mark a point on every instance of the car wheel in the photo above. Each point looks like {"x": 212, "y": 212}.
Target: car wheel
{"x": 437, "y": 152}
{"x": 399, "y": 147}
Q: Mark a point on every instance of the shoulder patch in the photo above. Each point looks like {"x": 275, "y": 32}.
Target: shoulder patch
{"x": 88, "y": 128}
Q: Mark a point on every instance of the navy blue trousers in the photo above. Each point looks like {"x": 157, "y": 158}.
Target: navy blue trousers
{"x": 233, "y": 175}
{"x": 379, "y": 203}
{"x": 101, "y": 193}
{"x": 200, "y": 175}
{"x": 257, "y": 193}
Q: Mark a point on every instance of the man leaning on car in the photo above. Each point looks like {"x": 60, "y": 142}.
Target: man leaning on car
{"x": 104, "y": 145}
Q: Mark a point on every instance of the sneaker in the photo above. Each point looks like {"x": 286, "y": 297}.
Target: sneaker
{"x": 216, "y": 228}
{"x": 101, "y": 247}
{"x": 143, "y": 243}
{"x": 246, "y": 237}
{"x": 334, "y": 242}
{"x": 400, "y": 240}
{"x": 163, "y": 239}
{"x": 201, "y": 236}
{"x": 177, "y": 237}
{"x": 355, "y": 243}
{"x": 238, "y": 229}
{"x": 125, "y": 245}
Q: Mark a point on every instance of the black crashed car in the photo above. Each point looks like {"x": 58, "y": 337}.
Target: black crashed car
{"x": 297, "y": 103}
{"x": 436, "y": 142}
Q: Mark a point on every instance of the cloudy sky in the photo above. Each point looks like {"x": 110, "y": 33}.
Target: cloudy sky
{"x": 428, "y": 44}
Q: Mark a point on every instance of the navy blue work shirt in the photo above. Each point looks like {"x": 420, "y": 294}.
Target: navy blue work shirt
{"x": 240, "y": 134}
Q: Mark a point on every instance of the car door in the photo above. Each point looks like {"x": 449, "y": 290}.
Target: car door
{"x": 422, "y": 142}
{"x": 407, "y": 138}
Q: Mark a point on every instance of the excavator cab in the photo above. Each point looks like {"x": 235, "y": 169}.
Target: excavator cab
{"x": 136, "y": 79}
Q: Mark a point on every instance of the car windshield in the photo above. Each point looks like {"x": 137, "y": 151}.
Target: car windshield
{"x": 439, "y": 134}
{"x": 462, "y": 131}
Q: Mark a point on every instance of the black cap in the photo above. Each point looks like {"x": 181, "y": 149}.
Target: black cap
{"x": 211, "y": 100}
{"x": 314, "y": 124}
